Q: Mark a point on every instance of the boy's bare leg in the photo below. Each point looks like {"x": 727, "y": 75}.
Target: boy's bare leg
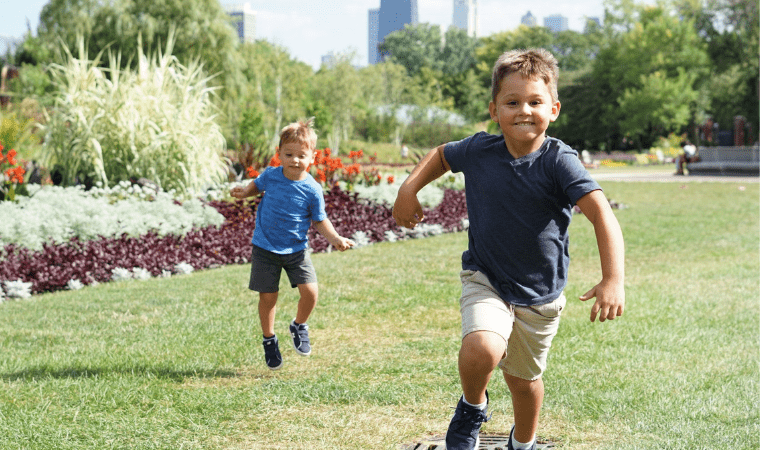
{"x": 480, "y": 353}
{"x": 309, "y": 295}
{"x": 527, "y": 397}
{"x": 267, "y": 310}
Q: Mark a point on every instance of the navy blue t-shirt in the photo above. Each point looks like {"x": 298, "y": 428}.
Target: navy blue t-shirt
{"x": 519, "y": 212}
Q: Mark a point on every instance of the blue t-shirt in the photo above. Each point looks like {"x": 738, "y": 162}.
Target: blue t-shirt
{"x": 519, "y": 212}
{"x": 286, "y": 211}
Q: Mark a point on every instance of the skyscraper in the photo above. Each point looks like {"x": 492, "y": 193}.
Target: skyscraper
{"x": 373, "y": 27}
{"x": 394, "y": 15}
{"x": 556, "y": 23}
{"x": 465, "y": 16}
{"x": 529, "y": 20}
{"x": 244, "y": 20}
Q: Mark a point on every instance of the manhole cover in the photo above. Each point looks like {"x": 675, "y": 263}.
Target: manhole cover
{"x": 487, "y": 442}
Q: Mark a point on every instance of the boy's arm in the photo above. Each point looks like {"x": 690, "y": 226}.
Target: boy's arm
{"x": 407, "y": 209}
{"x": 610, "y": 292}
{"x": 243, "y": 192}
{"x": 326, "y": 229}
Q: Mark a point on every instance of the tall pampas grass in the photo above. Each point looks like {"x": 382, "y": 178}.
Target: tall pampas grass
{"x": 155, "y": 122}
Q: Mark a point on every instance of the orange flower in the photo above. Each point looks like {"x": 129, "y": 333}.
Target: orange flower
{"x": 16, "y": 175}
{"x": 275, "y": 161}
{"x": 12, "y": 157}
{"x": 391, "y": 179}
{"x": 252, "y": 173}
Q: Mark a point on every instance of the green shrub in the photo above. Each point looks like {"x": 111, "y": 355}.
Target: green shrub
{"x": 432, "y": 134}
{"x": 112, "y": 124}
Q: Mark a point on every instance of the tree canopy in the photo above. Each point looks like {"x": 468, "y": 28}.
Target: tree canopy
{"x": 645, "y": 72}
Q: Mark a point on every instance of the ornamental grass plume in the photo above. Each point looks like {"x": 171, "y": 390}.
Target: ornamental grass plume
{"x": 113, "y": 124}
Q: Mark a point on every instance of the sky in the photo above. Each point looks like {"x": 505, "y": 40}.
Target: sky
{"x": 309, "y": 29}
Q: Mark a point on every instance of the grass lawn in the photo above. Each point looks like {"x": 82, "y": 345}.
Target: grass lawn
{"x": 177, "y": 363}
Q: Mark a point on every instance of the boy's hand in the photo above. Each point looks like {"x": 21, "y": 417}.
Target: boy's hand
{"x": 237, "y": 192}
{"x": 407, "y": 210}
{"x": 342, "y": 243}
{"x": 610, "y": 300}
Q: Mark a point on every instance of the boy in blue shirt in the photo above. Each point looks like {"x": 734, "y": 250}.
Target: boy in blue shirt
{"x": 292, "y": 201}
{"x": 520, "y": 188}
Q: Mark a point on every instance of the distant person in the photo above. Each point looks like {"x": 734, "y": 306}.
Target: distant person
{"x": 404, "y": 151}
{"x": 689, "y": 155}
{"x": 520, "y": 188}
{"x": 292, "y": 201}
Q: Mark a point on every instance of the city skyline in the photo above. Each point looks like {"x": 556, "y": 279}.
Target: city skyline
{"x": 310, "y": 29}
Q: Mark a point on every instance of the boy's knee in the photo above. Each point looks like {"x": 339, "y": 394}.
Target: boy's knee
{"x": 520, "y": 385}
{"x": 483, "y": 346}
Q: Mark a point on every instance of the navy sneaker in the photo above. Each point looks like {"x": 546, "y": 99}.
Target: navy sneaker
{"x": 272, "y": 352}
{"x": 509, "y": 445}
{"x": 465, "y": 426}
{"x": 299, "y": 334}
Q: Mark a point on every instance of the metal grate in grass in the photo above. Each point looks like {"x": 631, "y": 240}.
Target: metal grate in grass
{"x": 487, "y": 442}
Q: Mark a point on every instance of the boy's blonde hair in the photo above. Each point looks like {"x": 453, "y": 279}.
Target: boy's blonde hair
{"x": 530, "y": 63}
{"x": 301, "y": 132}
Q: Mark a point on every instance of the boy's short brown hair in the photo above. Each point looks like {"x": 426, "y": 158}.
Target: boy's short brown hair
{"x": 301, "y": 132}
{"x": 531, "y": 63}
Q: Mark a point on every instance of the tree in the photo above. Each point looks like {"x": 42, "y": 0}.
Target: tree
{"x": 493, "y": 46}
{"x": 414, "y": 47}
{"x": 202, "y": 30}
{"x": 276, "y": 85}
{"x": 659, "y": 43}
{"x": 730, "y": 29}
{"x": 337, "y": 85}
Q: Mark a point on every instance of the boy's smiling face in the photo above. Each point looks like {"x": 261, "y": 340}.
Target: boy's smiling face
{"x": 296, "y": 159}
{"x": 523, "y": 109}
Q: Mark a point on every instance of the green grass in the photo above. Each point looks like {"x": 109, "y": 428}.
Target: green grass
{"x": 177, "y": 363}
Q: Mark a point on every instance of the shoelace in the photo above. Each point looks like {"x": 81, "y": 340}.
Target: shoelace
{"x": 470, "y": 416}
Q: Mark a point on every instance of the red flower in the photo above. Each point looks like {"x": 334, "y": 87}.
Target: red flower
{"x": 391, "y": 179}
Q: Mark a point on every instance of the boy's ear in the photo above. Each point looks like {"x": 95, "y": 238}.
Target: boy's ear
{"x": 555, "y": 110}
{"x": 492, "y": 110}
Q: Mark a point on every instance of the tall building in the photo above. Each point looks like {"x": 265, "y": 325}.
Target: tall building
{"x": 556, "y": 23}
{"x": 243, "y": 19}
{"x": 373, "y": 55}
{"x": 529, "y": 20}
{"x": 394, "y": 15}
{"x": 465, "y": 16}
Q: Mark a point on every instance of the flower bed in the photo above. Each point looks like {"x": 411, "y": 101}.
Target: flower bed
{"x": 78, "y": 262}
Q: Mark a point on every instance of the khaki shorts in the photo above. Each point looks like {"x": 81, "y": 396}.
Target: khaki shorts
{"x": 527, "y": 331}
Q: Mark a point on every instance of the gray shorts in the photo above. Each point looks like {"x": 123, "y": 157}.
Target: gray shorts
{"x": 527, "y": 331}
{"x": 266, "y": 268}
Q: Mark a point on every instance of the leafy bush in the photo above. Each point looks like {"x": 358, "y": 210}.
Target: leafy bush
{"x": 112, "y": 124}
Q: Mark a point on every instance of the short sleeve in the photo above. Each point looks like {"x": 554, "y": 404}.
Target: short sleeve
{"x": 456, "y": 153}
{"x": 573, "y": 178}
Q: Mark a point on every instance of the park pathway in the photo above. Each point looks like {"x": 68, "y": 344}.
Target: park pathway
{"x": 667, "y": 177}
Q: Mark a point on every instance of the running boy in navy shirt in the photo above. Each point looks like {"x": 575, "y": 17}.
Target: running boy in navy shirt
{"x": 292, "y": 201}
{"x": 520, "y": 188}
